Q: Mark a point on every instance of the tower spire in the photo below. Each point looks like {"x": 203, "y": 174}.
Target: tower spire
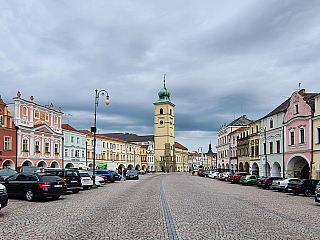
{"x": 164, "y": 80}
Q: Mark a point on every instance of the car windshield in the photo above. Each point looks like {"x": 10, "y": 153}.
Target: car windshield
{"x": 6, "y": 172}
{"x": 132, "y": 171}
{"x": 51, "y": 178}
{"x": 29, "y": 169}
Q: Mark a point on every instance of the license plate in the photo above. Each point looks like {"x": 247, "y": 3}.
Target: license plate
{"x": 74, "y": 181}
{"x": 86, "y": 180}
{"x": 115, "y": 176}
{"x": 57, "y": 185}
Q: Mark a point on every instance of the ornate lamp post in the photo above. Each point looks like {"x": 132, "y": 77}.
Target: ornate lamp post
{"x": 94, "y": 129}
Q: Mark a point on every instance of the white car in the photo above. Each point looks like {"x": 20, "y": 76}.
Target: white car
{"x": 213, "y": 174}
{"x": 99, "y": 180}
{"x": 86, "y": 180}
{"x": 280, "y": 185}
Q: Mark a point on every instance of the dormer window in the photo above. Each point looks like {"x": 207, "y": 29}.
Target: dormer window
{"x": 296, "y": 109}
{"x": 36, "y": 114}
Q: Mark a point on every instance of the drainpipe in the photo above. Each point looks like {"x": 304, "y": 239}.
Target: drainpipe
{"x": 16, "y": 146}
{"x": 311, "y": 161}
{"x": 86, "y": 153}
{"x": 283, "y": 151}
{"x": 62, "y": 151}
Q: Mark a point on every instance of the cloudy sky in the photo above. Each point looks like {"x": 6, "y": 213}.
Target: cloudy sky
{"x": 221, "y": 59}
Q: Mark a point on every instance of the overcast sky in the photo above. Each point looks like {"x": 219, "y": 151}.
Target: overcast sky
{"x": 221, "y": 59}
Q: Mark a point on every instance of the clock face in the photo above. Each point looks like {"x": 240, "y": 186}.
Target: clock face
{"x": 161, "y": 122}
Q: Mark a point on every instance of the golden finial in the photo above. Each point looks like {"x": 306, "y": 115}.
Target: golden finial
{"x": 59, "y": 109}
{"x": 51, "y": 106}
{"x": 31, "y": 98}
{"x": 18, "y": 94}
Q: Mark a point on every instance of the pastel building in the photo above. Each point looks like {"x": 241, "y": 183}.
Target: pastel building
{"x": 74, "y": 147}
{"x": 7, "y": 138}
{"x": 298, "y": 134}
{"x": 316, "y": 140}
{"x": 39, "y": 135}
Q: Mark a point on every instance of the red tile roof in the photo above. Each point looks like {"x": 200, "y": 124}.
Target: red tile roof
{"x": 178, "y": 145}
{"x": 68, "y": 127}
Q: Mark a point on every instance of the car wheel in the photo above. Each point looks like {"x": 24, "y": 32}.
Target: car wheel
{"x": 238, "y": 181}
{"x": 249, "y": 183}
{"x": 112, "y": 181}
{"x": 85, "y": 188}
{"x": 75, "y": 191}
{"x": 29, "y": 195}
{"x": 270, "y": 187}
{"x": 55, "y": 197}
{"x": 308, "y": 193}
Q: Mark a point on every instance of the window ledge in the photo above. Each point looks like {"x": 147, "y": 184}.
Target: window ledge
{"x": 302, "y": 145}
{"x": 292, "y": 146}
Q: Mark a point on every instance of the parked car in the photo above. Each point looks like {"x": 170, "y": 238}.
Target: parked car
{"x": 248, "y": 180}
{"x": 141, "y": 171}
{"x": 107, "y": 174}
{"x": 224, "y": 175}
{"x": 259, "y": 181}
{"x": 4, "y": 173}
{"x": 3, "y": 196}
{"x": 86, "y": 180}
{"x": 69, "y": 175}
{"x": 267, "y": 182}
{"x": 235, "y": 178}
{"x": 116, "y": 176}
{"x": 281, "y": 184}
{"x": 213, "y": 174}
{"x": 317, "y": 192}
{"x": 132, "y": 174}
{"x": 305, "y": 186}
{"x": 203, "y": 173}
{"x": 100, "y": 180}
{"x": 33, "y": 185}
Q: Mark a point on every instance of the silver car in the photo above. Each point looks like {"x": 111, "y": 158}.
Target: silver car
{"x": 281, "y": 185}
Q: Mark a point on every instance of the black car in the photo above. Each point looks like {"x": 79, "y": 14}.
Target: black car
{"x": 3, "y": 196}
{"x": 305, "y": 186}
{"x": 69, "y": 175}
{"x": 267, "y": 182}
{"x": 32, "y": 185}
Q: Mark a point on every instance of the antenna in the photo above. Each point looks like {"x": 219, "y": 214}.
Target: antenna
{"x": 68, "y": 117}
{"x": 164, "y": 80}
{"x": 299, "y": 85}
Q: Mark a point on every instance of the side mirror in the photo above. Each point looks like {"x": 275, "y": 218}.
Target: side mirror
{"x": 1, "y": 179}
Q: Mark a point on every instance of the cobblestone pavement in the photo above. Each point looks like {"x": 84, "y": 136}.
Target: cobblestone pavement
{"x": 164, "y": 206}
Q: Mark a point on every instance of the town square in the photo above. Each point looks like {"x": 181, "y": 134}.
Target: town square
{"x": 159, "y": 120}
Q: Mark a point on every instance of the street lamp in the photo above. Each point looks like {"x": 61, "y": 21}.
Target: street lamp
{"x": 94, "y": 129}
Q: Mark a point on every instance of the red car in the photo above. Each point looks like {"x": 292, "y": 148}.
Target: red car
{"x": 235, "y": 178}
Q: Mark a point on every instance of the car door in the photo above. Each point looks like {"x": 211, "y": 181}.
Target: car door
{"x": 12, "y": 185}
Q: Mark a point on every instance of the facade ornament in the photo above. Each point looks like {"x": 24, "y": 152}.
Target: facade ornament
{"x": 31, "y": 98}
{"x": 51, "y": 106}
{"x": 59, "y": 109}
{"x": 18, "y": 94}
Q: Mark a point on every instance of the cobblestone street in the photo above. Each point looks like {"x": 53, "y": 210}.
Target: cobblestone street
{"x": 164, "y": 206}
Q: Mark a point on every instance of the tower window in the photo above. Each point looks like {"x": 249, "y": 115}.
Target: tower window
{"x": 161, "y": 111}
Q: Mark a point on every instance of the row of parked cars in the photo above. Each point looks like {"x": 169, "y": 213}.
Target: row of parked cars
{"x": 34, "y": 182}
{"x": 307, "y": 187}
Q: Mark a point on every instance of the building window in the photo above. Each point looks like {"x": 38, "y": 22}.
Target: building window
{"x": 251, "y": 130}
{"x": 56, "y": 148}
{"x": 66, "y": 152}
{"x": 72, "y": 153}
{"x": 37, "y": 146}
{"x": 72, "y": 139}
{"x": 271, "y": 147}
{"x": 264, "y": 148}
{"x": 47, "y": 116}
{"x": 46, "y": 148}
{"x": 296, "y": 109}
{"x": 83, "y": 153}
{"x": 36, "y": 114}
{"x": 252, "y": 150}
{"x": 25, "y": 147}
{"x": 257, "y": 150}
{"x": 161, "y": 111}
{"x": 78, "y": 140}
{"x": 301, "y": 135}
{"x": 271, "y": 123}
{"x": 7, "y": 143}
{"x": 103, "y": 144}
{"x": 66, "y": 138}
{"x": 318, "y": 131}
{"x": 1, "y": 120}
{"x": 292, "y": 138}
{"x": 257, "y": 128}
{"x": 92, "y": 142}
{"x": 77, "y": 154}
{"x": 278, "y": 146}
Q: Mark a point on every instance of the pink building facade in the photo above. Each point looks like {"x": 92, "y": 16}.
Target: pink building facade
{"x": 298, "y": 135}
{"x": 39, "y": 134}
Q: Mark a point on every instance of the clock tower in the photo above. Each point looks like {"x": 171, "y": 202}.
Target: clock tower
{"x": 164, "y": 131}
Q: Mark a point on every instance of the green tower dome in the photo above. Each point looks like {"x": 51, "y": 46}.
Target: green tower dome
{"x": 164, "y": 94}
